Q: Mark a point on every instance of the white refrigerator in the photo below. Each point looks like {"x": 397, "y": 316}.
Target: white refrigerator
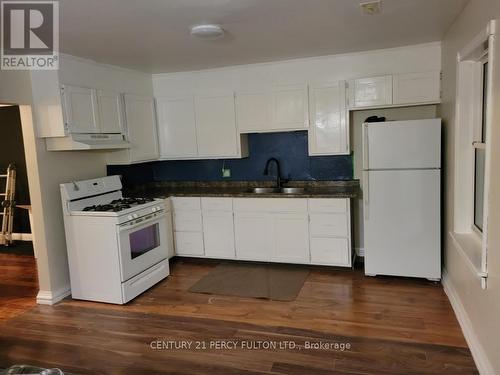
{"x": 402, "y": 198}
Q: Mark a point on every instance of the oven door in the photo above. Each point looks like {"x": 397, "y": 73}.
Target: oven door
{"x": 142, "y": 244}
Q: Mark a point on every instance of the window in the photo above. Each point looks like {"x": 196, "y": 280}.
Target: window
{"x": 479, "y": 146}
{"x": 472, "y": 150}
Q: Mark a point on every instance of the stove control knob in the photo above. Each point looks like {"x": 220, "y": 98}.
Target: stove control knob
{"x": 153, "y": 209}
{"x": 129, "y": 217}
{"x": 158, "y": 208}
{"x": 134, "y": 216}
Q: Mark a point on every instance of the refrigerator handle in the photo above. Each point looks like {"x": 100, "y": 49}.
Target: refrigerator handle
{"x": 366, "y": 194}
{"x": 365, "y": 145}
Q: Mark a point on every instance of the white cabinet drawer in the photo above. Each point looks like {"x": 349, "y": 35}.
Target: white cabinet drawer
{"x": 328, "y": 205}
{"x": 270, "y": 205}
{"x": 217, "y": 204}
{"x": 328, "y": 225}
{"x": 189, "y": 243}
{"x": 186, "y": 203}
{"x": 330, "y": 251}
{"x": 187, "y": 221}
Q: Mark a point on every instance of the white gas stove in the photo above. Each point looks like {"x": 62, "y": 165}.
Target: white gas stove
{"x": 116, "y": 246}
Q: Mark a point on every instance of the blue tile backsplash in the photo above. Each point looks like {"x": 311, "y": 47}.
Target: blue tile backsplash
{"x": 289, "y": 148}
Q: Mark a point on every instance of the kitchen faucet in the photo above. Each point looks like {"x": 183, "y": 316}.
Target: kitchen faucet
{"x": 278, "y": 171}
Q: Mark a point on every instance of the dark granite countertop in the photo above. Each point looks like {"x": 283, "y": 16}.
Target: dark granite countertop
{"x": 237, "y": 189}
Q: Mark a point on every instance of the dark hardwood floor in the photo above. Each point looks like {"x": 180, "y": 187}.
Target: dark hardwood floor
{"x": 393, "y": 326}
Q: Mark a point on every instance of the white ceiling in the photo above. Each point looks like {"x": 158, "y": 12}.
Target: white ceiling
{"x": 153, "y": 35}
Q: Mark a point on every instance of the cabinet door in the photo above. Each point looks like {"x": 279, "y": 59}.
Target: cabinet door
{"x": 80, "y": 109}
{"x": 176, "y": 127}
{"x": 415, "y": 88}
{"x": 110, "y": 111}
{"x": 216, "y": 126}
{"x": 329, "y": 125}
{"x": 291, "y": 238}
{"x": 141, "y": 126}
{"x": 169, "y": 238}
{"x": 253, "y": 236}
{"x": 368, "y": 92}
{"x": 253, "y": 111}
{"x": 218, "y": 234}
{"x": 289, "y": 107}
{"x": 189, "y": 243}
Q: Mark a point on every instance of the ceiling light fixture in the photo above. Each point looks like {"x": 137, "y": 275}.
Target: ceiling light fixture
{"x": 371, "y": 7}
{"x": 207, "y": 31}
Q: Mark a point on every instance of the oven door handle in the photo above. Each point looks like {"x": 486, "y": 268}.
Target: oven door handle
{"x": 159, "y": 215}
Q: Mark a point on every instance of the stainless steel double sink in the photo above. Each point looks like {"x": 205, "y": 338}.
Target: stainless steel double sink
{"x": 275, "y": 190}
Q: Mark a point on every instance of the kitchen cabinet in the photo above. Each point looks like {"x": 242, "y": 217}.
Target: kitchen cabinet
{"x": 109, "y": 104}
{"x": 271, "y": 109}
{"x": 80, "y": 109}
{"x": 218, "y": 234}
{"x": 188, "y": 227}
{"x": 141, "y": 127}
{"x": 199, "y": 127}
{"x": 370, "y": 92}
{"x": 329, "y": 119}
{"x": 216, "y": 126}
{"x": 289, "y": 107}
{"x": 218, "y": 227}
{"x": 291, "y": 238}
{"x": 253, "y": 111}
{"x": 177, "y": 127}
{"x": 286, "y": 230}
{"x": 417, "y": 88}
{"x": 169, "y": 239}
{"x": 330, "y": 231}
{"x": 253, "y": 236}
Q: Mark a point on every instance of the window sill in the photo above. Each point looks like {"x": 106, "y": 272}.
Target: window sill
{"x": 469, "y": 245}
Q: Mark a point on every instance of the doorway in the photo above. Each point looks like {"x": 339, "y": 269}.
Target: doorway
{"x": 18, "y": 272}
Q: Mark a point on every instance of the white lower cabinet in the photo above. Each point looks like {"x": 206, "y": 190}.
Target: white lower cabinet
{"x": 285, "y": 230}
{"x": 189, "y": 243}
{"x": 253, "y": 236}
{"x": 188, "y": 227}
{"x": 291, "y": 238}
{"x": 330, "y": 251}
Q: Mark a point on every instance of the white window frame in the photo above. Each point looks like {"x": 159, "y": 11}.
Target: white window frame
{"x": 469, "y": 240}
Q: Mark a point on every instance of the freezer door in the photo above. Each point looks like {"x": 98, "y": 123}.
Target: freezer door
{"x": 402, "y": 223}
{"x": 402, "y": 144}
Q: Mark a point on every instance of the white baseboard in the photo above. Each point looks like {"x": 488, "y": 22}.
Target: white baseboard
{"x": 482, "y": 362}
{"x": 47, "y": 297}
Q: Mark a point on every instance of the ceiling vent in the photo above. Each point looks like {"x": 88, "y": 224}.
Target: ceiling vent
{"x": 371, "y": 7}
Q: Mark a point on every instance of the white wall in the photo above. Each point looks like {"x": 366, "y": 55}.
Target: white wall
{"x": 46, "y": 170}
{"x": 425, "y": 57}
{"x": 480, "y": 309}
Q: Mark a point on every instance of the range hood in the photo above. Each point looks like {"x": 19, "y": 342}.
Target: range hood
{"x": 75, "y": 142}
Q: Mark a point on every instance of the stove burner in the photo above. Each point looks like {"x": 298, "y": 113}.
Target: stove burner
{"x": 118, "y": 205}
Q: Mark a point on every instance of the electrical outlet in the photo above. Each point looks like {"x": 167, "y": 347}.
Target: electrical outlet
{"x": 226, "y": 172}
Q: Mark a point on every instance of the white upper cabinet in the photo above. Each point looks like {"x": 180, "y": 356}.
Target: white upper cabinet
{"x": 176, "y": 127}
{"x": 415, "y": 88}
{"x": 289, "y": 107}
{"x": 280, "y": 108}
{"x": 370, "y": 92}
{"x": 109, "y": 104}
{"x": 329, "y": 120}
{"x": 253, "y": 111}
{"x": 80, "y": 109}
{"x": 199, "y": 127}
{"x": 141, "y": 126}
{"x": 216, "y": 126}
